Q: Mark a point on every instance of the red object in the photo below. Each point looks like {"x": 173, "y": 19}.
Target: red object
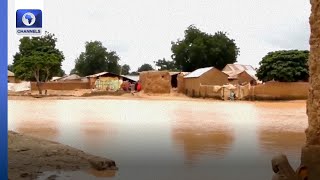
{"x": 139, "y": 87}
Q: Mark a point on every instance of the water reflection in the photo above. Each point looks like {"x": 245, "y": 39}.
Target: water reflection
{"x": 162, "y": 138}
{"x": 102, "y": 173}
{"x": 95, "y": 132}
{"x": 38, "y": 121}
{"x": 281, "y": 142}
{"x": 281, "y": 127}
{"x": 77, "y": 175}
{"x": 200, "y": 133}
{"x": 43, "y": 129}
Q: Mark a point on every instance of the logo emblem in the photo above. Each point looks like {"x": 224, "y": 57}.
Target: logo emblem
{"x": 29, "y": 22}
{"x": 28, "y": 19}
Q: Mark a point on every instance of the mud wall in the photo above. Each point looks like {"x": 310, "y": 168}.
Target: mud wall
{"x": 61, "y": 85}
{"x": 208, "y": 91}
{"x": 180, "y": 80}
{"x": 212, "y": 77}
{"x": 158, "y": 82}
{"x": 313, "y": 110}
{"x": 279, "y": 91}
{"x": 311, "y": 152}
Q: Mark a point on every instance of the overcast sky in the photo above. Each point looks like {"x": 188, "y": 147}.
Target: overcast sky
{"x": 141, "y": 31}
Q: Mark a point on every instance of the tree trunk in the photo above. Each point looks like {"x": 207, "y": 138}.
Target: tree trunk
{"x": 39, "y": 87}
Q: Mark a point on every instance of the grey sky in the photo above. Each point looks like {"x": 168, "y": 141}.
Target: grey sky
{"x": 142, "y": 30}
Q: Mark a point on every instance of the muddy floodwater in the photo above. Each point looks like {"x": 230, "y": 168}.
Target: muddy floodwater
{"x": 170, "y": 140}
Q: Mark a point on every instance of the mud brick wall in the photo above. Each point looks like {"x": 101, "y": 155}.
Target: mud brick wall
{"x": 158, "y": 82}
{"x": 61, "y": 85}
{"x": 280, "y": 91}
{"x": 313, "y": 105}
{"x": 311, "y": 152}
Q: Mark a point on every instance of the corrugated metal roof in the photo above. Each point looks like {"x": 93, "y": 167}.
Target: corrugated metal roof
{"x": 239, "y": 67}
{"x": 55, "y": 78}
{"x": 10, "y": 74}
{"x": 236, "y": 69}
{"x": 70, "y": 77}
{"x": 252, "y": 73}
{"x": 198, "y": 72}
{"x": 98, "y": 74}
{"x": 134, "y": 78}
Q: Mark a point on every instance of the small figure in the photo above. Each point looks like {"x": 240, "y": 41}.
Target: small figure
{"x": 232, "y": 96}
{"x": 139, "y": 87}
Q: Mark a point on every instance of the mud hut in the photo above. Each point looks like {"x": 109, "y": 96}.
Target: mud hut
{"x": 174, "y": 79}
{"x": 11, "y": 77}
{"x": 107, "y": 80}
{"x": 203, "y": 76}
{"x": 240, "y": 74}
{"x": 180, "y": 80}
{"x": 158, "y": 82}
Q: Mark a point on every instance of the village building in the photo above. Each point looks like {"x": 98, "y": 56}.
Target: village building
{"x": 11, "y": 77}
{"x": 70, "y": 78}
{"x": 240, "y": 74}
{"x": 180, "y": 80}
{"x": 134, "y": 78}
{"x": 108, "y": 81}
{"x": 203, "y": 76}
{"x": 157, "y": 82}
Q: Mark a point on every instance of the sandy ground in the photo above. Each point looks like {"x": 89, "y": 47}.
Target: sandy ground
{"x": 29, "y": 157}
{"x": 79, "y": 94}
{"x": 86, "y": 94}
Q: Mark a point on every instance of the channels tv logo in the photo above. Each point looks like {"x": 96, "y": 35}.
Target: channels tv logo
{"x": 29, "y": 22}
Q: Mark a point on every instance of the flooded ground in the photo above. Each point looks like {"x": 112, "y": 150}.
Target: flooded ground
{"x": 170, "y": 139}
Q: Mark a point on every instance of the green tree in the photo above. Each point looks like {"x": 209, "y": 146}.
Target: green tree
{"x": 199, "y": 49}
{"x": 38, "y": 59}
{"x": 60, "y": 73}
{"x": 96, "y": 59}
{"x": 73, "y": 71}
{"x": 134, "y": 73}
{"x": 125, "y": 69}
{"x": 145, "y": 67}
{"x": 163, "y": 64}
{"x": 284, "y": 66}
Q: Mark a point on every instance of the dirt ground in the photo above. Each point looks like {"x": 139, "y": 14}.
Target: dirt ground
{"x": 88, "y": 94}
{"x": 28, "y": 157}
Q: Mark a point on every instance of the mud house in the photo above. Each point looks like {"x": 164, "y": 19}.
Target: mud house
{"x": 158, "y": 82}
{"x": 174, "y": 79}
{"x": 203, "y": 76}
{"x": 240, "y": 74}
{"x": 70, "y": 78}
{"x": 11, "y": 77}
{"x": 107, "y": 81}
{"x": 133, "y": 78}
{"x": 180, "y": 80}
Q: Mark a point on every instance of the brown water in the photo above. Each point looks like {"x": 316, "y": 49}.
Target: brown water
{"x": 175, "y": 140}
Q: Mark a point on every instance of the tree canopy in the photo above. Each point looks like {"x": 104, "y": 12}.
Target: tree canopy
{"x": 145, "y": 67}
{"x": 284, "y": 66}
{"x": 38, "y": 59}
{"x": 164, "y": 64}
{"x": 199, "y": 49}
{"x": 125, "y": 69}
{"x": 96, "y": 59}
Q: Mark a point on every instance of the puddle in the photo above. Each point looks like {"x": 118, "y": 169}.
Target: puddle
{"x": 76, "y": 175}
